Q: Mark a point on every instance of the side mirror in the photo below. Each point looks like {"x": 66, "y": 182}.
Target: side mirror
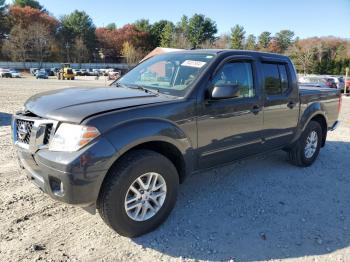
{"x": 225, "y": 91}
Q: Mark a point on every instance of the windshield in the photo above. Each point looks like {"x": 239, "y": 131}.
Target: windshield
{"x": 171, "y": 73}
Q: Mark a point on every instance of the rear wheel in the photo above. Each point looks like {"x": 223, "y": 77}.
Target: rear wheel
{"x": 307, "y": 148}
{"x": 139, "y": 193}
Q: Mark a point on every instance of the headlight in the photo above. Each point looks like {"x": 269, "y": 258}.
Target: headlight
{"x": 69, "y": 137}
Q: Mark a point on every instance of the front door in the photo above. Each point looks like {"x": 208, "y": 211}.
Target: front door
{"x": 230, "y": 128}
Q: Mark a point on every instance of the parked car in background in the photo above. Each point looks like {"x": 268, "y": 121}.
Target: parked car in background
{"x": 5, "y": 73}
{"x": 83, "y": 72}
{"x": 76, "y": 72}
{"x": 330, "y": 82}
{"x": 96, "y": 72}
{"x": 33, "y": 70}
{"x": 15, "y": 73}
{"x": 347, "y": 84}
{"x": 339, "y": 81}
{"x": 52, "y": 71}
{"x": 92, "y": 72}
{"x": 114, "y": 75}
{"x": 41, "y": 74}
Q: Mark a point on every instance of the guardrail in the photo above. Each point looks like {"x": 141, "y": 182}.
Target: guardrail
{"x": 27, "y": 65}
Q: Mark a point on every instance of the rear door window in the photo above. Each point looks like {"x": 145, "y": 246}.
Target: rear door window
{"x": 275, "y": 79}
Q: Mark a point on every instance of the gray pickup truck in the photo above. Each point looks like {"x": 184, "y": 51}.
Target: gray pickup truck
{"x": 124, "y": 149}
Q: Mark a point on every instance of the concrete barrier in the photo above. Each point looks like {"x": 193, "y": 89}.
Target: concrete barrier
{"x": 27, "y": 65}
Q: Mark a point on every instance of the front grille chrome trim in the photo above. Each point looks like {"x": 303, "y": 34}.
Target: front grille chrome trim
{"x": 38, "y": 132}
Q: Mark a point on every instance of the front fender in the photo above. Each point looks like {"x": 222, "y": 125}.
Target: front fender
{"x": 132, "y": 133}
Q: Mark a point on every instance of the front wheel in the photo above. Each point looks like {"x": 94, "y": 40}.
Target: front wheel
{"x": 307, "y": 148}
{"x": 139, "y": 193}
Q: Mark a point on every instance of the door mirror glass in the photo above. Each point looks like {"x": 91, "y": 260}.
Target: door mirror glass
{"x": 225, "y": 91}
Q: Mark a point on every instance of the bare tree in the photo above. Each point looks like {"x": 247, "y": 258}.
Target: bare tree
{"x": 17, "y": 46}
{"x": 303, "y": 55}
{"x": 81, "y": 52}
{"x": 31, "y": 43}
{"x": 41, "y": 41}
{"x": 180, "y": 41}
{"x": 223, "y": 41}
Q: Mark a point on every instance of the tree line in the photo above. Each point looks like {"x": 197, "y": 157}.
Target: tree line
{"x": 28, "y": 32}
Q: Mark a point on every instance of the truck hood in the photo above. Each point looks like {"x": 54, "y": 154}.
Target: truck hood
{"x": 76, "y": 104}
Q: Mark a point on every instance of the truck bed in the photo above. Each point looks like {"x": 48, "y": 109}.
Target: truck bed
{"x": 328, "y": 97}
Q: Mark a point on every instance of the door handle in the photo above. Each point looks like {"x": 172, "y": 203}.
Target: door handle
{"x": 291, "y": 104}
{"x": 255, "y": 110}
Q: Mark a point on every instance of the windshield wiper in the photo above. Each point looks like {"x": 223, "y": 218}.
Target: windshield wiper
{"x": 139, "y": 87}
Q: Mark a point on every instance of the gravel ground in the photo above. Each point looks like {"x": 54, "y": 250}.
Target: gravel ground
{"x": 258, "y": 209}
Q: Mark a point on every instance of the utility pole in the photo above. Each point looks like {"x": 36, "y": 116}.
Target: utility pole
{"x": 346, "y": 77}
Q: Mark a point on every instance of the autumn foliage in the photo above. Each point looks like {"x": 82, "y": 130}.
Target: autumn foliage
{"x": 25, "y": 16}
{"x": 111, "y": 40}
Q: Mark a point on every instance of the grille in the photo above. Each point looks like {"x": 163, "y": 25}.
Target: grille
{"x": 23, "y": 130}
{"x": 47, "y": 135}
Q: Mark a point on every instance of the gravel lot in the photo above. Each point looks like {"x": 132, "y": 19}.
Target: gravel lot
{"x": 257, "y": 209}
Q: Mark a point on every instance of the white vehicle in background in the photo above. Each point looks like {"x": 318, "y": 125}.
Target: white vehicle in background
{"x": 15, "y": 73}
{"x": 313, "y": 80}
{"x": 5, "y": 73}
{"x": 96, "y": 72}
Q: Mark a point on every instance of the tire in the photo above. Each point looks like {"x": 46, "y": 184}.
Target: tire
{"x": 298, "y": 154}
{"x": 112, "y": 197}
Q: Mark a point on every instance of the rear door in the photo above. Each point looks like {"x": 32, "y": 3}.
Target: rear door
{"x": 281, "y": 103}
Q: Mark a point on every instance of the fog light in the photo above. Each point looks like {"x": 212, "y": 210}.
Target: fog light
{"x": 56, "y": 186}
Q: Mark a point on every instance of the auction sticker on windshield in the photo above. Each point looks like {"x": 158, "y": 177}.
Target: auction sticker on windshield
{"x": 193, "y": 63}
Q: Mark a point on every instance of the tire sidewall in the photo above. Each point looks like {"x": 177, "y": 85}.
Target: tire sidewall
{"x": 118, "y": 217}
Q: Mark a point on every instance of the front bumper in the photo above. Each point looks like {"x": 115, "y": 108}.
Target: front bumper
{"x": 70, "y": 177}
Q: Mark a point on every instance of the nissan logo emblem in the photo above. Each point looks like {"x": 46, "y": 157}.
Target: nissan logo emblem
{"x": 22, "y": 131}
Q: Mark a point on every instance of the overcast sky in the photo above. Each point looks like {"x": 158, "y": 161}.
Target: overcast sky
{"x": 305, "y": 17}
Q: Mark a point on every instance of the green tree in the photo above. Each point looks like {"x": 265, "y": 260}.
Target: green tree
{"x": 78, "y": 25}
{"x": 251, "y": 42}
{"x": 264, "y": 40}
{"x": 143, "y": 25}
{"x": 32, "y": 3}
{"x": 111, "y": 26}
{"x": 237, "y": 37}
{"x": 157, "y": 30}
{"x": 182, "y": 26}
{"x": 167, "y": 35}
{"x": 200, "y": 30}
{"x": 284, "y": 39}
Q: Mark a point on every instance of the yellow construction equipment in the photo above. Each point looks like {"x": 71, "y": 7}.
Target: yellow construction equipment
{"x": 66, "y": 72}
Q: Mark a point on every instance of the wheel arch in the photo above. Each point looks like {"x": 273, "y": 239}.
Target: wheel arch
{"x": 314, "y": 112}
{"x": 161, "y": 136}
